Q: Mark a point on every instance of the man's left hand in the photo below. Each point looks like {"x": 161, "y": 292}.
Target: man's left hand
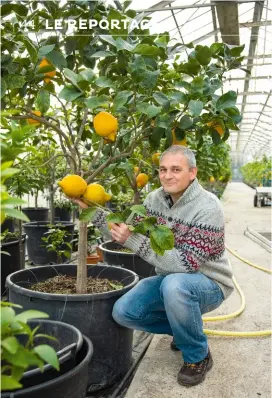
{"x": 120, "y": 232}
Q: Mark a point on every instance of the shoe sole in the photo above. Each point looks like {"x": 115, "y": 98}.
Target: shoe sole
{"x": 210, "y": 365}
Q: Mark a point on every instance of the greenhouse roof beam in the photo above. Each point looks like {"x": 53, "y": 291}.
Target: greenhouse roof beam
{"x": 157, "y": 7}
{"x": 246, "y": 93}
{"x": 214, "y": 24}
{"x": 228, "y": 18}
{"x": 264, "y": 105}
{"x": 249, "y": 78}
{"x": 257, "y": 15}
{"x": 161, "y": 5}
{"x": 257, "y": 23}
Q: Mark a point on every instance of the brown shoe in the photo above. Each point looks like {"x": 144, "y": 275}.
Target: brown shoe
{"x": 173, "y": 346}
{"x": 192, "y": 374}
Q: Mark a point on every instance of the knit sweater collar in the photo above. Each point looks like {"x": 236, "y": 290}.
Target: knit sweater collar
{"x": 190, "y": 193}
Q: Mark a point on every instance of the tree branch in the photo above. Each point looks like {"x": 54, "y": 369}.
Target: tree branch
{"x": 97, "y": 154}
{"x": 82, "y": 127}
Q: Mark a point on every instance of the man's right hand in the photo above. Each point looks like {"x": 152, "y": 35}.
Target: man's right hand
{"x": 79, "y": 202}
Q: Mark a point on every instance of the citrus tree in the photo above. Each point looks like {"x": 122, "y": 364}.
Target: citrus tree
{"x": 106, "y": 95}
{"x": 258, "y": 172}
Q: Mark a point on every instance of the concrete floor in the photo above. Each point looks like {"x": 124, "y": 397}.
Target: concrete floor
{"x": 242, "y": 366}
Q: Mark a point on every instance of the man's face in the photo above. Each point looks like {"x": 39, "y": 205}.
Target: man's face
{"x": 175, "y": 174}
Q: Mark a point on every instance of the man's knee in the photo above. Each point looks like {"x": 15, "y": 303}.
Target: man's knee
{"x": 173, "y": 284}
{"x": 119, "y": 312}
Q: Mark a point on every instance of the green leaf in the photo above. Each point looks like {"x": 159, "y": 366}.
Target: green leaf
{"x": 45, "y": 50}
{"x": 8, "y": 383}
{"x": 69, "y": 93}
{"x": 162, "y": 100}
{"x": 7, "y": 315}
{"x": 10, "y": 344}
{"x": 121, "y": 98}
{"x": 15, "y": 81}
{"x": 87, "y": 214}
{"x": 116, "y": 218}
{"x": 16, "y": 214}
{"x": 13, "y": 201}
{"x": 6, "y": 9}
{"x": 193, "y": 66}
{"x": 227, "y": 100}
{"x": 104, "y": 81}
{"x": 88, "y": 74}
{"x": 147, "y": 109}
{"x": 30, "y": 314}
{"x": 48, "y": 354}
{"x": 177, "y": 98}
{"x": 109, "y": 39}
{"x": 149, "y": 78}
{"x": 155, "y": 247}
{"x": 216, "y": 137}
{"x": 31, "y": 49}
{"x": 185, "y": 122}
{"x": 94, "y": 102}
{"x": 20, "y": 9}
{"x": 140, "y": 210}
{"x": 72, "y": 76}
{"x": 43, "y": 101}
{"x": 4, "y": 87}
{"x": 123, "y": 45}
{"x": 195, "y": 107}
{"x": 197, "y": 85}
{"x": 9, "y": 172}
{"x": 237, "y": 50}
{"x": 103, "y": 54}
{"x": 115, "y": 287}
{"x": 8, "y": 304}
{"x": 203, "y": 55}
{"x": 146, "y": 49}
{"x": 56, "y": 58}
{"x": 163, "y": 121}
{"x": 163, "y": 237}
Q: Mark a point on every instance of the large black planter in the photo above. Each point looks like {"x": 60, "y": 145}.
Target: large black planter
{"x": 71, "y": 384}
{"x": 68, "y": 342}
{"x": 131, "y": 261}
{"x": 62, "y": 214}
{"x": 90, "y": 313}
{"x": 36, "y": 214}
{"x": 11, "y": 263}
{"x": 37, "y": 253}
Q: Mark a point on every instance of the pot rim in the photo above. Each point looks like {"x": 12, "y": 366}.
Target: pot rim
{"x": 115, "y": 251}
{"x": 13, "y": 242}
{"x": 70, "y": 297}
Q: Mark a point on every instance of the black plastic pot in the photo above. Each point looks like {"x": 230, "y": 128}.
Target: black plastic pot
{"x": 71, "y": 384}
{"x": 37, "y": 253}
{"x": 131, "y": 261}
{"x": 11, "y": 263}
{"x": 36, "y": 214}
{"x": 90, "y": 313}
{"x": 8, "y": 224}
{"x": 62, "y": 214}
{"x": 68, "y": 342}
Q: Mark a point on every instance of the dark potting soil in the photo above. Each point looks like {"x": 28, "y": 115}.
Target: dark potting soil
{"x": 64, "y": 284}
{"x": 122, "y": 249}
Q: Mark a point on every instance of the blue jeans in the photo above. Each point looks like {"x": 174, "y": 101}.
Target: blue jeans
{"x": 173, "y": 305}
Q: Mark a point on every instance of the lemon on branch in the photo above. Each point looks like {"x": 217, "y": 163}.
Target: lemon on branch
{"x": 33, "y": 121}
{"x": 73, "y": 186}
{"x": 142, "y": 180}
{"x": 47, "y": 75}
{"x": 95, "y": 193}
{"x": 105, "y": 125}
{"x": 177, "y": 142}
{"x": 156, "y": 158}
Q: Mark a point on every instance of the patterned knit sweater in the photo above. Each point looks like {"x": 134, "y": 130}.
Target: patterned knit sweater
{"x": 197, "y": 222}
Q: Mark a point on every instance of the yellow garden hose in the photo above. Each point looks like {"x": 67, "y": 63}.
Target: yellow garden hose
{"x": 238, "y": 312}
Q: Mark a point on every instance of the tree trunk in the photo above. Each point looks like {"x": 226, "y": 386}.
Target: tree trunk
{"x": 136, "y": 198}
{"x": 81, "y": 285}
{"x": 36, "y": 200}
{"x": 51, "y": 204}
{"x": 20, "y": 241}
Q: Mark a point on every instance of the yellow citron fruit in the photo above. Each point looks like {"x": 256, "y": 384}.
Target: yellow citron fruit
{"x": 142, "y": 180}
{"x": 212, "y": 179}
{"x": 43, "y": 63}
{"x": 136, "y": 169}
{"x": 110, "y": 224}
{"x": 73, "y": 185}
{"x": 217, "y": 127}
{"x": 111, "y": 137}
{"x": 156, "y": 158}
{"x": 33, "y": 121}
{"x": 96, "y": 193}
{"x": 176, "y": 142}
{"x": 105, "y": 125}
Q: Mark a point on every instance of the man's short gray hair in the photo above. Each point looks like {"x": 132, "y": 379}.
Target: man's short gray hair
{"x": 183, "y": 150}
